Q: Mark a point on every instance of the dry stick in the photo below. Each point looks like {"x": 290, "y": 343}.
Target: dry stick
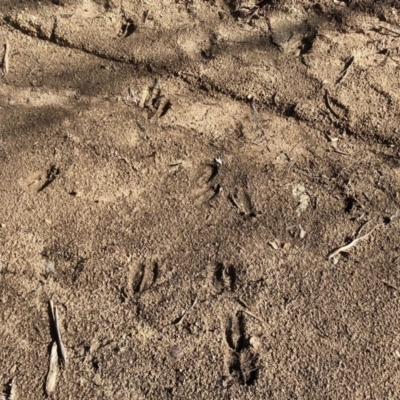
{"x": 254, "y": 316}
{"x": 344, "y": 153}
{"x": 5, "y": 57}
{"x": 60, "y": 343}
{"x": 58, "y": 332}
{"x": 246, "y": 311}
{"x": 255, "y": 113}
{"x": 380, "y": 28}
{"x": 51, "y": 379}
{"x": 351, "y": 244}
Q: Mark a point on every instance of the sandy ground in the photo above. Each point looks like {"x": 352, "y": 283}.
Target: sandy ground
{"x": 177, "y": 179}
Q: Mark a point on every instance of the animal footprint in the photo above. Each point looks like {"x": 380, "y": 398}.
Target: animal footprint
{"x": 241, "y": 199}
{"x": 241, "y": 360}
{"x": 143, "y": 277}
{"x": 224, "y": 278}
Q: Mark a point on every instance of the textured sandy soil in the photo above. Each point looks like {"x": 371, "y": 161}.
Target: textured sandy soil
{"x": 176, "y": 277}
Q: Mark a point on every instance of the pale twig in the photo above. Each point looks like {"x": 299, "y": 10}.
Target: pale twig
{"x": 54, "y": 314}
{"x": 351, "y": 244}
{"x": 344, "y": 153}
{"x": 51, "y": 379}
{"x": 5, "y": 57}
{"x": 381, "y": 28}
{"x": 180, "y": 319}
{"x": 255, "y": 113}
{"x": 246, "y": 311}
{"x": 254, "y": 316}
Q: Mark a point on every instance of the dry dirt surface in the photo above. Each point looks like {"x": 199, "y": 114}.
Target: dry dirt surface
{"x": 208, "y": 191}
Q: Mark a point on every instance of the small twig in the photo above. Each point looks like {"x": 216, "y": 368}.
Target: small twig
{"x": 51, "y": 380}
{"x": 344, "y": 153}
{"x": 54, "y": 314}
{"x": 254, "y": 316}
{"x": 5, "y": 58}
{"x": 381, "y": 28}
{"x": 345, "y": 70}
{"x": 246, "y": 311}
{"x": 180, "y": 319}
{"x": 328, "y": 104}
{"x": 255, "y": 113}
{"x": 146, "y": 16}
{"x": 352, "y": 243}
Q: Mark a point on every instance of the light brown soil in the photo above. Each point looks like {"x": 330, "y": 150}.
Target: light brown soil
{"x": 174, "y": 277}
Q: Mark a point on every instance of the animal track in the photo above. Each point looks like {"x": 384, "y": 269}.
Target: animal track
{"x": 224, "y": 278}
{"x": 241, "y": 199}
{"x": 241, "y": 359}
{"x": 143, "y": 277}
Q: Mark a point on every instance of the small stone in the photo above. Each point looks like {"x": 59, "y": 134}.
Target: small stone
{"x": 97, "y": 380}
{"x": 255, "y": 342}
{"x": 273, "y": 245}
{"x": 50, "y": 268}
{"x": 302, "y": 232}
{"x": 175, "y": 351}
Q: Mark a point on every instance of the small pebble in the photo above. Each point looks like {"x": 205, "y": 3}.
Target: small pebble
{"x": 50, "y": 268}
{"x": 175, "y": 351}
{"x": 255, "y": 342}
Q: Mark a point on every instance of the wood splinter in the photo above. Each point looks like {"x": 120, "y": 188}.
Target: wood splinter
{"x": 60, "y": 343}
{"x": 5, "y": 58}
{"x": 51, "y": 380}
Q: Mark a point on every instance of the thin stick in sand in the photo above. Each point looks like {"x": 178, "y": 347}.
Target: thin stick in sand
{"x": 5, "y": 58}
{"x": 351, "y": 244}
{"x": 54, "y": 314}
{"x": 51, "y": 380}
